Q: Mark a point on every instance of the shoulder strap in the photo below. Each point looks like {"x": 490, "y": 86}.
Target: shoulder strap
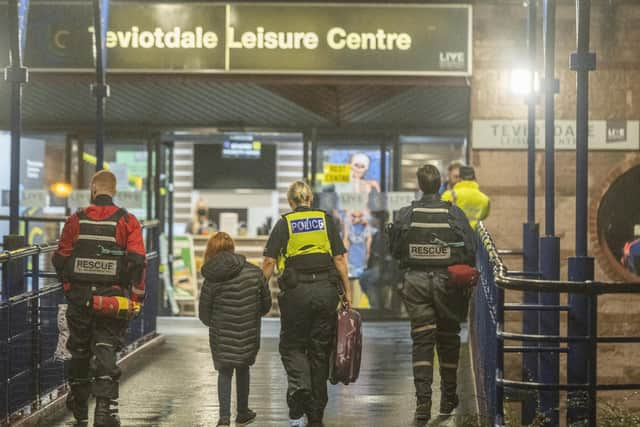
{"x": 121, "y": 212}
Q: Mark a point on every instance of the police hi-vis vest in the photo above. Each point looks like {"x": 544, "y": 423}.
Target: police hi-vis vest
{"x": 307, "y": 235}
{"x": 430, "y": 241}
{"x": 96, "y": 256}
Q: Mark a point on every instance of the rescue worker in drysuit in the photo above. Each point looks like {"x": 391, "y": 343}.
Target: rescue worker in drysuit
{"x": 101, "y": 262}
{"x": 306, "y": 246}
{"x": 428, "y": 237}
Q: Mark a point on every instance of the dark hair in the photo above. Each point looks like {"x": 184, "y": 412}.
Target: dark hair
{"x": 428, "y": 179}
{"x": 454, "y": 165}
{"x": 467, "y": 173}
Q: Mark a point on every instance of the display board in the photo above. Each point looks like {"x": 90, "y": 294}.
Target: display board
{"x": 213, "y": 170}
{"x": 277, "y": 38}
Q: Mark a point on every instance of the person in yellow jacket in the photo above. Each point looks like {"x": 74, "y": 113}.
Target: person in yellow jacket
{"x": 467, "y": 196}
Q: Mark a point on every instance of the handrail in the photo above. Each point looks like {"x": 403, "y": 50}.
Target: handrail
{"x": 147, "y": 223}
{"x": 505, "y": 281}
{"x": 42, "y": 248}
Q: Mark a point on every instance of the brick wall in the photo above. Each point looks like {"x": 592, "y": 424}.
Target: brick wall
{"x": 499, "y": 40}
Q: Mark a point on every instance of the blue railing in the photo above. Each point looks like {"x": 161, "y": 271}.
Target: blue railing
{"x": 30, "y": 375}
{"x": 489, "y": 337}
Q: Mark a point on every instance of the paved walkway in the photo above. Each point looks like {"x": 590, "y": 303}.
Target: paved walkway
{"x": 175, "y": 385}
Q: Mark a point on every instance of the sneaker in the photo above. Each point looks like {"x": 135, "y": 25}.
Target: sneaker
{"x": 423, "y": 413}
{"x": 298, "y": 422}
{"x": 245, "y": 418}
{"x": 224, "y": 421}
{"x": 447, "y": 405}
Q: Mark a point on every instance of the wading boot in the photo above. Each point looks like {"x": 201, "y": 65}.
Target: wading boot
{"x": 423, "y": 413}
{"x": 448, "y": 404}
{"x": 79, "y": 408}
{"x": 106, "y": 414}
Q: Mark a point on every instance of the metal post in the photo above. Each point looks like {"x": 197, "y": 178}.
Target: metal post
{"x": 314, "y": 157}
{"x": 149, "y": 179}
{"x": 593, "y": 361}
{"x": 305, "y": 157}
{"x": 68, "y": 149}
{"x": 35, "y": 327}
{"x": 531, "y": 231}
{"x": 13, "y": 282}
{"x": 499, "y": 355}
{"x": 159, "y": 181}
{"x": 397, "y": 163}
{"x": 549, "y": 324}
{"x": 17, "y": 75}
{"x": 170, "y": 187}
{"x": 100, "y": 89}
{"x": 581, "y": 267}
{"x": 551, "y": 89}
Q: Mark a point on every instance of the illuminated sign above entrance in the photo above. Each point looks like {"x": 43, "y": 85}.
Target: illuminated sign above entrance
{"x": 361, "y": 39}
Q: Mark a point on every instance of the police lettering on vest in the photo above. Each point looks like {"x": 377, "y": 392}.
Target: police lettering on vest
{"x": 307, "y": 224}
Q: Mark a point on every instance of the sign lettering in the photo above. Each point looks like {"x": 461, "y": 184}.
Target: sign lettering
{"x": 95, "y": 266}
{"x": 513, "y": 135}
{"x": 307, "y": 224}
{"x": 429, "y": 252}
{"x": 318, "y": 38}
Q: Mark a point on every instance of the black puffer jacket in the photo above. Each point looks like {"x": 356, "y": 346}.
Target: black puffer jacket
{"x": 234, "y": 297}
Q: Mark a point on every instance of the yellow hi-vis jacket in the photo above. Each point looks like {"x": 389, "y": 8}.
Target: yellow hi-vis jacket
{"x": 468, "y": 197}
{"x": 307, "y": 235}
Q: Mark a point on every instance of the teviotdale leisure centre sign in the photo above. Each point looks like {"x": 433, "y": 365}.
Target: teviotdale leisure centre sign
{"x": 365, "y": 39}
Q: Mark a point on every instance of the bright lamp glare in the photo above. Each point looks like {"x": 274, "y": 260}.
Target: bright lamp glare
{"x": 521, "y": 82}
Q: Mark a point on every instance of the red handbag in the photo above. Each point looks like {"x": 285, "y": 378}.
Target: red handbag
{"x": 462, "y": 276}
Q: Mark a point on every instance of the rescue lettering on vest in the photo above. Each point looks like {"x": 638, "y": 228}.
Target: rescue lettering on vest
{"x": 96, "y": 266}
{"x": 307, "y": 224}
{"x": 429, "y": 252}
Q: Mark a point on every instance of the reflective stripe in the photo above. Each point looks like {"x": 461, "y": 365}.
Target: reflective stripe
{"x": 98, "y": 238}
{"x": 105, "y": 377}
{"x": 431, "y": 210}
{"x": 430, "y": 225}
{"x": 137, "y": 291}
{"x": 425, "y": 363}
{"x": 88, "y": 221}
{"x": 103, "y": 344}
{"x": 424, "y": 328}
{"x": 449, "y": 365}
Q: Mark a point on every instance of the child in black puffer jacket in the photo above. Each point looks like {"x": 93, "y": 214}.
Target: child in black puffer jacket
{"x": 234, "y": 297}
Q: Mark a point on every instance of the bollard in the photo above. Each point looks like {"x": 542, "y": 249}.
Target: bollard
{"x": 13, "y": 280}
{"x": 530, "y": 320}
{"x": 549, "y": 366}
{"x": 580, "y": 269}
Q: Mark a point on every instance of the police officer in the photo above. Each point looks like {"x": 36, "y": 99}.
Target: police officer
{"x": 427, "y": 237}
{"x": 306, "y": 247}
{"x": 100, "y": 258}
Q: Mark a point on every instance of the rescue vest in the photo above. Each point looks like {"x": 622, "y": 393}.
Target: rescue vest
{"x": 429, "y": 240}
{"x": 96, "y": 257}
{"x": 307, "y": 235}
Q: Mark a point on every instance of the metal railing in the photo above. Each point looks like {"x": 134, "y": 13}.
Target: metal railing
{"x": 30, "y": 375}
{"x": 489, "y": 335}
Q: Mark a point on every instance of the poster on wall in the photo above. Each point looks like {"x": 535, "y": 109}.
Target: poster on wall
{"x": 353, "y": 174}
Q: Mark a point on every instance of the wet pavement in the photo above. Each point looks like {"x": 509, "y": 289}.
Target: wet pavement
{"x": 175, "y": 384}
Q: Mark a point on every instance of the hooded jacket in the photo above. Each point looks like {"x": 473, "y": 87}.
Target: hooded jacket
{"x": 468, "y": 197}
{"x": 234, "y": 297}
